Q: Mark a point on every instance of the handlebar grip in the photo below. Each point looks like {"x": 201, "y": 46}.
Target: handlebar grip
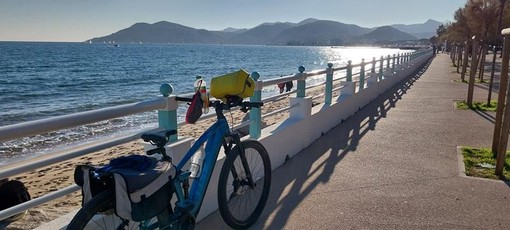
{"x": 253, "y": 104}
{"x": 183, "y": 99}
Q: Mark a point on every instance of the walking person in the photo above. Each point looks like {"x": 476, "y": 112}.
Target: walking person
{"x": 281, "y": 86}
{"x": 288, "y": 86}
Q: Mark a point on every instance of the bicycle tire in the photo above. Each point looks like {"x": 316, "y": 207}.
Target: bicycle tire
{"x": 260, "y": 165}
{"x": 99, "y": 213}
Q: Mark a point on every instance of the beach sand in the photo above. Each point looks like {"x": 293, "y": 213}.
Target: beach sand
{"x": 58, "y": 176}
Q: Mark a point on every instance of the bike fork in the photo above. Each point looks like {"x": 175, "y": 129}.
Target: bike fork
{"x": 235, "y": 139}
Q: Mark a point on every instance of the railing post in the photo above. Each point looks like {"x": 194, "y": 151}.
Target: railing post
{"x": 381, "y": 67}
{"x": 301, "y": 106}
{"x": 349, "y": 88}
{"x": 388, "y": 63}
{"x": 167, "y": 117}
{"x": 301, "y": 83}
{"x": 373, "y": 66}
{"x": 329, "y": 84}
{"x": 362, "y": 75}
{"x": 348, "y": 77}
{"x": 373, "y": 76}
{"x": 255, "y": 113}
{"x": 393, "y": 63}
{"x": 398, "y": 59}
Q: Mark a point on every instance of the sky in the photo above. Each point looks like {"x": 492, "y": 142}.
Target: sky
{"x": 80, "y": 20}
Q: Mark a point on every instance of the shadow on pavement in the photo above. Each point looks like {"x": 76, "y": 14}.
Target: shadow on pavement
{"x": 314, "y": 165}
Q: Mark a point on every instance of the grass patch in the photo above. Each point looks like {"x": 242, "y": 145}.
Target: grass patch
{"x": 477, "y": 105}
{"x": 482, "y": 81}
{"x": 481, "y": 162}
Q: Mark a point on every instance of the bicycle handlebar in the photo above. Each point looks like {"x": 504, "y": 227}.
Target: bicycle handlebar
{"x": 231, "y": 102}
{"x": 186, "y": 99}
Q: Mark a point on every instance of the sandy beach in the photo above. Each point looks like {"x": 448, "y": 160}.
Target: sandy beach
{"x": 58, "y": 176}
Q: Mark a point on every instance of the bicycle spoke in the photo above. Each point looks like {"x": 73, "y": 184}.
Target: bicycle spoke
{"x": 243, "y": 201}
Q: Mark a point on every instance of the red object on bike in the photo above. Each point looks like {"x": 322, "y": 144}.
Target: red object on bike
{"x": 195, "y": 109}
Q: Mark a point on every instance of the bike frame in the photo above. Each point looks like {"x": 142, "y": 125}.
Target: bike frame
{"x": 214, "y": 137}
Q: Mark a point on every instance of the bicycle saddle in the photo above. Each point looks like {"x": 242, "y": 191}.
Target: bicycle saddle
{"x": 158, "y": 138}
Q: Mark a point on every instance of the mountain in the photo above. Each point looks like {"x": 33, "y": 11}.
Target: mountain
{"x": 423, "y": 30}
{"x": 319, "y": 32}
{"x": 307, "y": 32}
{"x": 387, "y": 34}
{"x": 162, "y": 32}
{"x": 266, "y": 33}
{"x": 306, "y": 21}
{"x": 233, "y": 30}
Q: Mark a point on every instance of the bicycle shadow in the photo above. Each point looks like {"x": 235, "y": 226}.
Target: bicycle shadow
{"x": 314, "y": 165}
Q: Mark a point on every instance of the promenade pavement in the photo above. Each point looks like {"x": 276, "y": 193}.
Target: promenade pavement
{"x": 393, "y": 165}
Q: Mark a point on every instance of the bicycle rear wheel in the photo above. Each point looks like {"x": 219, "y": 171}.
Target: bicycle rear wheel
{"x": 99, "y": 213}
{"x": 239, "y": 203}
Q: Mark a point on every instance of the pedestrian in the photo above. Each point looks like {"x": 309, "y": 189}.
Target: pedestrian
{"x": 289, "y": 86}
{"x": 281, "y": 86}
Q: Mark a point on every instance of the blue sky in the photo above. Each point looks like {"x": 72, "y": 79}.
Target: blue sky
{"x": 79, "y": 20}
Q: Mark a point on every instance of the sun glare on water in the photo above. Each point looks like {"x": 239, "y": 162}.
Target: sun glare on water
{"x": 341, "y": 55}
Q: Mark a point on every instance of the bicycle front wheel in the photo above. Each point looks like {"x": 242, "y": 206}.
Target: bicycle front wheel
{"x": 99, "y": 213}
{"x": 241, "y": 199}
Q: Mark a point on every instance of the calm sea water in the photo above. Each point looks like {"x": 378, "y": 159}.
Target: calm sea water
{"x": 41, "y": 80}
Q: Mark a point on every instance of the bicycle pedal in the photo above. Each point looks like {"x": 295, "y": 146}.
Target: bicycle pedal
{"x": 188, "y": 218}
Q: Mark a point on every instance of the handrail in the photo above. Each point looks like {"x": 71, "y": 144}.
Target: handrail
{"x": 68, "y": 154}
{"x": 4, "y": 214}
{"x": 25, "y": 129}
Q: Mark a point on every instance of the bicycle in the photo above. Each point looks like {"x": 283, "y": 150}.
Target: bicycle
{"x": 245, "y": 177}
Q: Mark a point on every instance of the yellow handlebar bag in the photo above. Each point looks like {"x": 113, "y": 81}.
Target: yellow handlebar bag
{"x": 238, "y": 83}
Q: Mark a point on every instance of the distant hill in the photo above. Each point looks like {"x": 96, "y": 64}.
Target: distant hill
{"x": 423, "y": 30}
{"x": 387, "y": 34}
{"x": 307, "y": 32}
{"x": 319, "y": 32}
{"x": 162, "y": 32}
{"x": 233, "y": 30}
{"x": 267, "y": 33}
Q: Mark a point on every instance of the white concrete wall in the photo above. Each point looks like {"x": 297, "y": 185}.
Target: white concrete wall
{"x": 310, "y": 122}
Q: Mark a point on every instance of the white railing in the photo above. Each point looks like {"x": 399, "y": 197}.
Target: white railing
{"x": 168, "y": 105}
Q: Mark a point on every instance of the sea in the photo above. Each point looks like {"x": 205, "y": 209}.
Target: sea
{"x": 40, "y": 80}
